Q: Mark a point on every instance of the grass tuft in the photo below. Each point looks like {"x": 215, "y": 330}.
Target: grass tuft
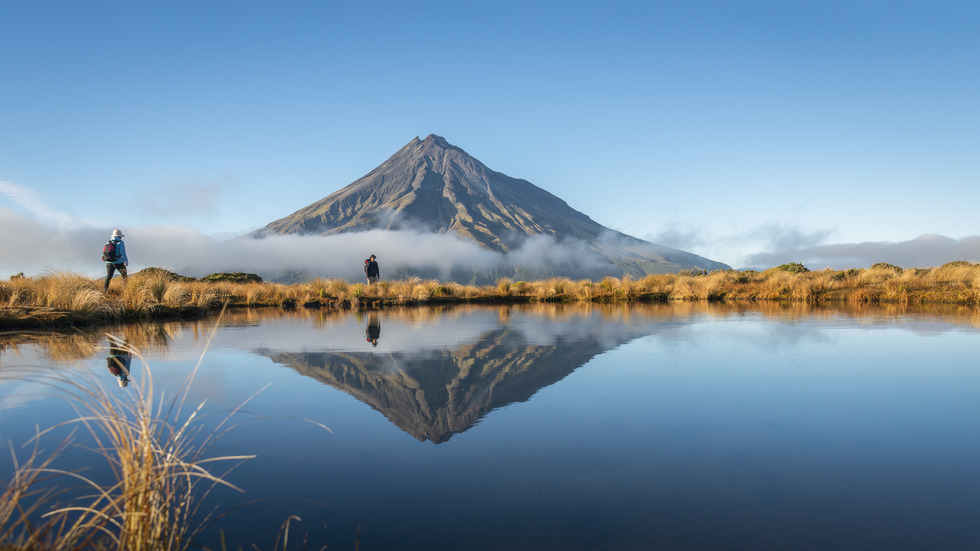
{"x": 156, "y": 453}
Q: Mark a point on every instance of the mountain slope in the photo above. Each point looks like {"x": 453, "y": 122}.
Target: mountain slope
{"x": 434, "y": 186}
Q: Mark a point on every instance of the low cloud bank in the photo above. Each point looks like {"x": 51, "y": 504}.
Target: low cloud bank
{"x": 776, "y": 243}
{"x": 922, "y": 252}
{"x": 35, "y": 248}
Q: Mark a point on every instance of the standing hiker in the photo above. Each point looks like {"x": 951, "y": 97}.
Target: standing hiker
{"x": 114, "y": 255}
{"x": 371, "y": 269}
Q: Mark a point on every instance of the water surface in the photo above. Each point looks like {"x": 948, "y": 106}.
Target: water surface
{"x": 684, "y": 426}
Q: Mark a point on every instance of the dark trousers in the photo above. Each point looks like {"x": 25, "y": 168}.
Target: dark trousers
{"x": 111, "y": 268}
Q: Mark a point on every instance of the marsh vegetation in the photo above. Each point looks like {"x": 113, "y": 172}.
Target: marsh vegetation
{"x": 70, "y": 299}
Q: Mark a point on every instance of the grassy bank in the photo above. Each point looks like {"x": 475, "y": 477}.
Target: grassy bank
{"x": 67, "y": 299}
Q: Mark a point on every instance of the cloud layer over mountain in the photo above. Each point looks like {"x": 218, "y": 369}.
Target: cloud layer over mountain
{"x": 184, "y": 250}
{"x": 39, "y": 248}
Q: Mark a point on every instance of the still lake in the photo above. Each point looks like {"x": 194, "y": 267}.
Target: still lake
{"x": 670, "y": 426}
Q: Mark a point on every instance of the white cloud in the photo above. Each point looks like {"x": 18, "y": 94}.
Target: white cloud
{"x": 781, "y": 236}
{"x": 680, "y": 236}
{"x": 737, "y": 247}
{"x": 185, "y": 250}
{"x": 34, "y": 203}
{"x": 38, "y": 246}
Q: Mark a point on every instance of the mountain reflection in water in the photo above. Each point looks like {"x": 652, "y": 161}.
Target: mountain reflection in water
{"x": 437, "y": 391}
{"x": 435, "y": 372}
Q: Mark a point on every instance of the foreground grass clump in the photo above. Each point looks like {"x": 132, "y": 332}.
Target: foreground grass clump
{"x": 155, "y": 292}
{"x": 159, "y": 473}
{"x": 57, "y": 290}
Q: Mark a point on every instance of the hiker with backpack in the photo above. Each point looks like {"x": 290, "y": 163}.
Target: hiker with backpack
{"x": 114, "y": 255}
{"x": 371, "y": 269}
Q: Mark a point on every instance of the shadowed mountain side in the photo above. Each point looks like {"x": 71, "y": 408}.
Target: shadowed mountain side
{"x": 433, "y": 186}
{"x": 438, "y": 393}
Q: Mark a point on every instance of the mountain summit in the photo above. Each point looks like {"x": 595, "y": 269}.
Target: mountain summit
{"x": 432, "y": 185}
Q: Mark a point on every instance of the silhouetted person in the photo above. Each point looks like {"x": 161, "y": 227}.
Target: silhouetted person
{"x": 119, "y": 359}
{"x": 373, "y": 330}
{"x": 114, "y": 255}
{"x": 371, "y": 269}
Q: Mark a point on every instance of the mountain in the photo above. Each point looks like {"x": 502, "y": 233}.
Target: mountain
{"x": 434, "y": 186}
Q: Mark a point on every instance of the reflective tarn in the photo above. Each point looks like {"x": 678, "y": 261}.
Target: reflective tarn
{"x": 687, "y": 426}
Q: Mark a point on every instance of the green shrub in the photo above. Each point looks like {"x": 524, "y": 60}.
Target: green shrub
{"x": 794, "y": 268}
{"x": 844, "y": 274}
{"x": 953, "y": 264}
{"x": 886, "y": 266}
{"x": 163, "y": 274}
{"x": 745, "y": 276}
{"x": 235, "y": 277}
{"x": 442, "y": 291}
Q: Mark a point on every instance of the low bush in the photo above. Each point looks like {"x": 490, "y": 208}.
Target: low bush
{"x": 794, "y": 268}
{"x": 233, "y": 277}
{"x": 886, "y": 266}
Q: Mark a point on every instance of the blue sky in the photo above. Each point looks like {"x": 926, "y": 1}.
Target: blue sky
{"x": 836, "y": 133}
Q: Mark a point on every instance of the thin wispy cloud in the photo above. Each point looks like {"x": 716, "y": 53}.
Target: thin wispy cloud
{"x": 34, "y": 203}
{"x": 684, "y": 237}
{"x": 776, "y": 236}
{"x": 185, "y": 201}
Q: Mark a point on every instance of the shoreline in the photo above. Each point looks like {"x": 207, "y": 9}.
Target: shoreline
{"x": 27, "y": 319}
{"x": 67, "y": 301}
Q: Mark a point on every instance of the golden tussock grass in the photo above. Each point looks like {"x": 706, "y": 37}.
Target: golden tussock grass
{"x": 159, "y": 476}
{"x": 67, "y": 291}
{"x": 156, "y": 452}
{"x": 155, "y": 293}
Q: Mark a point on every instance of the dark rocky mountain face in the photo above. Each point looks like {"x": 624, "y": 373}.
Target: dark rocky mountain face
{"x": 431, "y": 185}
